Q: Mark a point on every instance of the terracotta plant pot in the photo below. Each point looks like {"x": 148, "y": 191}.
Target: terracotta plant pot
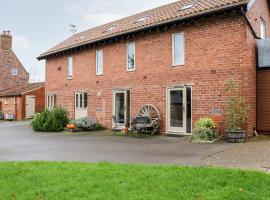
{"x": 236, "y": 136}
{"x": 71, "y": 126}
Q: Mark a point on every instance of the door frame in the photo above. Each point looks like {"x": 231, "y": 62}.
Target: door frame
{"x": 122, "y": 91}
{"x": 26, "y": 105}
{"x": 171, "y": 130}
{"x": 75, "y": 101}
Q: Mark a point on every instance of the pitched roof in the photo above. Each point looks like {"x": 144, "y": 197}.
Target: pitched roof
{"x": 161, "y": 15}
{"x": 9, "y": 60}
{"x": 17, "y": 91}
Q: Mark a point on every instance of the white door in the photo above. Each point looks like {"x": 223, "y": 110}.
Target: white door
{"x": 176, "y": 110}
{"x": 30, "y": 103}
{"x": 121, "y": 107}
{"x": 81, "y": 105}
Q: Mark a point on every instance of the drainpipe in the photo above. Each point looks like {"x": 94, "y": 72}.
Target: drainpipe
{"x": 15, "y": 108}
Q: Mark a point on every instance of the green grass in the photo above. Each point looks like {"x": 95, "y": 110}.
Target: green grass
{"x": 48, "y": 180}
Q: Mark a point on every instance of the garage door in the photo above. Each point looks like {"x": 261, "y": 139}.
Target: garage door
{"x": 29, "y": 106}
{"x": 263, "y": 101}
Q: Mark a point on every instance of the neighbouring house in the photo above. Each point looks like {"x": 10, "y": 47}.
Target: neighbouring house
{"x": 177, "y": 57}
{"x": 18, "y": 98}
{"x": 23, "y": 102}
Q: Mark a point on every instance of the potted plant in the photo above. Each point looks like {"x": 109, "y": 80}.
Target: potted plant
{"x": 236, "y": 114}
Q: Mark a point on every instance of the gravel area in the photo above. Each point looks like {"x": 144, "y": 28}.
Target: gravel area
{"x": 254, "y": 154}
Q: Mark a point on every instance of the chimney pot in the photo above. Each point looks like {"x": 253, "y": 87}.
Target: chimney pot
{"x": 8, "y": 32}
{"x": 4, "y": 32}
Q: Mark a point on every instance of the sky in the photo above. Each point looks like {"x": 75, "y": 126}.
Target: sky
{"x": 36, "y": 26}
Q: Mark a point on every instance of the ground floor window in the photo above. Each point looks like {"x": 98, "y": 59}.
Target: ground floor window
{"x": 50, "y": 101}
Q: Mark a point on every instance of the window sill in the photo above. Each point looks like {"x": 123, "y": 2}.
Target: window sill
{"x": 131, "y": 70}
{"x": 178, "y": 65}
{"x": 99, "y": 74}
{"x": 69, "y": 78}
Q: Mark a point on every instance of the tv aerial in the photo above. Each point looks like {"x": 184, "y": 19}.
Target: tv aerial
{"x": 73, "y": 28}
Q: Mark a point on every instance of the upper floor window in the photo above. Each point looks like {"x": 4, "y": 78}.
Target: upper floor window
{"x": 263, "y": 29}
{"x": 99, "y": 62}
{"x": 70, "y": 67}
{"x": 14, "y": 72}
{"x": 131, "y": 56}
{"x": 50, "y": 101}
{"x": 178, "y": 49}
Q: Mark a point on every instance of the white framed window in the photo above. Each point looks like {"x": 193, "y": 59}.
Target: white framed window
{"x": 131, "y": 65}
{"x": 70, "y": 67}
{"x": 81, "y": 100}
{"x": 14, "y": 72}
{"x": 50, "y": 101}
{"x": 99, "y": 62}
{"x": 263, "y": 29}
{"x": 178, "y": 49}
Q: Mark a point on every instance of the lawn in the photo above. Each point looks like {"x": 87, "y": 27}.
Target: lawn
{"x": 50, "y": 180}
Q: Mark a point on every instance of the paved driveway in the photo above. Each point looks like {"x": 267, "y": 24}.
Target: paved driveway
{"x": 19, "y": 143}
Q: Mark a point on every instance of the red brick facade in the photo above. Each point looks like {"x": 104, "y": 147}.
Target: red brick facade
{"x": 216, "y": 50}
{"x": 16, "y": 104}
{"x": 9, "y": 61}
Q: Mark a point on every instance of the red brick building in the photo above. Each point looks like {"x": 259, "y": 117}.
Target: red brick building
{"x": 177, "y": 57}
{"x": 18, "y": 98}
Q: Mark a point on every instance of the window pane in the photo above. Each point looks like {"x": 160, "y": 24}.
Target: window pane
{"x": 77, "y": 100}
{"x": 131, "y": 55}
{"x": 85, "y": 100}
{"x": 51, "y": 101}
{"x": 178, "y": 48}
{"x": 70, "y": 66}
{"x": 81, "y": 100}
{"x": 99, "y": 62}
{"x": 263, "y": 29}
{"x": 176, "y": 99}
{"x": 189, "y": 104}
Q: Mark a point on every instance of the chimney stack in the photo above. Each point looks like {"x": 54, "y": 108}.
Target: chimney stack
{"x": 5, "y": 40}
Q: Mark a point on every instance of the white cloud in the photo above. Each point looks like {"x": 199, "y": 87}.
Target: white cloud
{"x": 20, "y": 43}
{"x": 97, "y": 12}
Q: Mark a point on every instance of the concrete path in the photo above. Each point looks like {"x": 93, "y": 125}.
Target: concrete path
{"x": 19, "y": 143}
{"x": 254, "y": 154}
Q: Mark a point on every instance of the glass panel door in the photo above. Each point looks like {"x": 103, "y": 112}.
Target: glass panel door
{"x": 121, "y": 107}
{"x": 176, "y": 110}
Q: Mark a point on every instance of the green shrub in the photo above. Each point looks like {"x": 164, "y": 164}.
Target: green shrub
{"x": 50, "y": 120}
{"x": 206, "y": 123}
{"x": 204, "y": 131}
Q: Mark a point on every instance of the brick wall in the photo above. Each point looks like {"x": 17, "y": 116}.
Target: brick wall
{"x": 213, "y": 54}
{"x": 19, "y": 109}
{"x": 9, "y": 61}
{"x": 39, "y": 98}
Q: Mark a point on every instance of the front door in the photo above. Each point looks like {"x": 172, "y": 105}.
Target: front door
{"x": 121, "y": 107}
{"x": 176, "y": 110}
{"x": 81, "y": 105}
{"x": 30, "y": 103}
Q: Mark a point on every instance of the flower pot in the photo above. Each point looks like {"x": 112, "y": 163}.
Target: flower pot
{"x": 236, "y": 136}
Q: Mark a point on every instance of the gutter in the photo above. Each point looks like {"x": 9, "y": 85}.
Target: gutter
{"x": 194, "y": 16}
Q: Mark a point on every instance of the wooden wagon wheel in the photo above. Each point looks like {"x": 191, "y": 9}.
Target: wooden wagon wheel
{"x": 152, "y": 113}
